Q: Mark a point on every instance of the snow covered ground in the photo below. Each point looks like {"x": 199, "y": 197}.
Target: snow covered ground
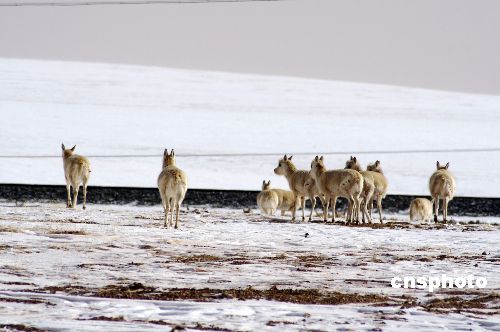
{"x": 55, "y": 263}
{"x": 131, "y": 110}
{"x": 47, "y": 245}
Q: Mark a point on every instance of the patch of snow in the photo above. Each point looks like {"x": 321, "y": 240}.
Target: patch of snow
{"x": 120, "y": 109}
{"x": 46, "y": 244}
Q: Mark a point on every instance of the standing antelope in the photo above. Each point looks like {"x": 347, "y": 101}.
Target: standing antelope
{"x": 76, "y": 171}
{"x": 172, "y": 184}
{"x": 296, "y": 180}
{"x": 267, "y": 199}
{"x": 310, "y": 182}
{"x": 368, "y": 187}
{"x": 340, "y": 182}
{"x": 379, "y": 180}
{"x": 442, "y": 184}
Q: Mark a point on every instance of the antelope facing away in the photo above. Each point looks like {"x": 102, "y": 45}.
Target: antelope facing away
{"x": 76, "y": 172}
{"x": 368, "y": 187}
{"x": 296, "y": 181}
{"x": 442, "y": 185}
{"x": 346, "y": 183}
{"x": 172, "y": 184}
{"x": 381, "y": 185}
{"x": 267, "y": 199}
{"x": 379, "y": 180}
{"x": 420, "y": 209}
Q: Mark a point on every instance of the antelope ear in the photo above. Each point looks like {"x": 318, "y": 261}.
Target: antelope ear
{"x": 354, "y": 159}
{"x": 63, "y": 147}
{"x": 172, "y": 153}
{"x": 447, "y": 165}
{"x": 73, "y": 148}
{"x": 351, "y": 158}
{"x": 165, "y": 152}
{"x": 437, "y": 164}
{"x": 269, "y": 182}
{"x": 263, "y": 181}
{"x": 377, "y": 163}
{"x": 290, "y": 158}
{"x": 285, "y": 158}
{"x": 316, "y": 158}
{"x": 321, "y": 158}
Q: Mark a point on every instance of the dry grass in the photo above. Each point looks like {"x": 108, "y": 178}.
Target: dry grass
{"x": 19, "y": 327}
{"x": 457, "y": 303}
{"x": 25, "y": 301}
{"x": 489, "y": 302}
{"x": 67, "y": 232}
{"x": 198, "y": 259}
{"x": 301, "y": 296}
{"x": 7, "y": 229}
{"x": 301, "y": 260}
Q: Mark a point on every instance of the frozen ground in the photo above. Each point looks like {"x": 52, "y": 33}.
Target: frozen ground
{"x": 47, "y": 252}
{"x": 132, "y": 110}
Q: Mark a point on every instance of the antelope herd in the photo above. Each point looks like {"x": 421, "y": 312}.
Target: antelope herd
{"x": 360, "y": 187}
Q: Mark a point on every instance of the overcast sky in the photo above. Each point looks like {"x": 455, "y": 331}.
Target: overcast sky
{"x": 442, "y": 44}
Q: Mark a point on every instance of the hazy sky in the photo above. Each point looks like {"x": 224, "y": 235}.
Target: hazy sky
{"x": 443, "y": 44}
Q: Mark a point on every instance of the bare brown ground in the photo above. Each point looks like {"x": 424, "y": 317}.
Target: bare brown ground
{"x": 458, "y": 304}
{"x": 489, "y": 304}
{"x": 69, "y": 232}
{"x": 20, "y": 327}
{"x": 301, "y": 296}
{"x": 300, "y": 260}
{"x": 25, "y": 301}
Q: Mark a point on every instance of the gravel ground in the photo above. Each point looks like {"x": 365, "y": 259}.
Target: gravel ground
{"x": 465, "y": 206}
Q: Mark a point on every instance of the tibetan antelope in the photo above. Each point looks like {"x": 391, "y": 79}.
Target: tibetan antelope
{"x": 296, "y": 181}
{"x": 77, "y": 172}
{"x": 420, "y": 209}
{"x": 373, "y": 171}
{"x": 381, "y": 185}
{"x": 286, "y": 200}
{"x": 172, "y": 184}
{"x": 267, "y": 199}
{"x": 442, "y": 185}
{"x": 345, "y": 183}
{"x": 368, "y": 187}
